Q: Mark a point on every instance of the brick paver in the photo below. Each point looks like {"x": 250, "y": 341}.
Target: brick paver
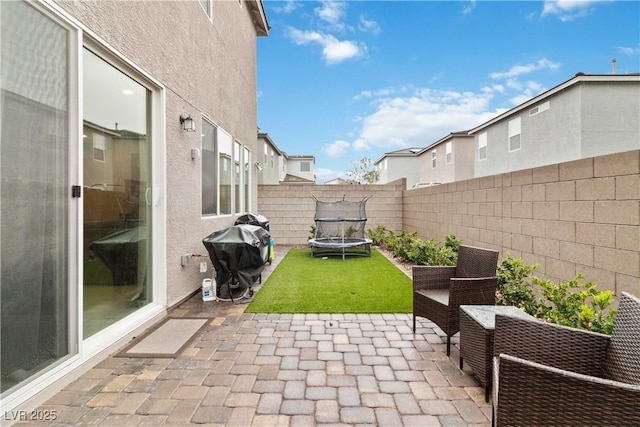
{"x": 283, "y": 370}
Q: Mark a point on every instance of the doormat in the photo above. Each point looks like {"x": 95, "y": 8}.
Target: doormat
{"x": 167, "y": 340}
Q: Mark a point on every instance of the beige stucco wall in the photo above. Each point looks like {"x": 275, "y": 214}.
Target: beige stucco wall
{"x": 579, "y": 217}
{"x": 290, "y": 208}
{"x": 207, "y": 67}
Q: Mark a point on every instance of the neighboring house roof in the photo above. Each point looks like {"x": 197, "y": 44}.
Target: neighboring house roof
{"x": 302, "y": 157}
{"x": 452, "y": 135}
{"x": 259, "y": 17}
{"x": 292, "y": 178}
{"x": 266, "y": 137}
{"x": 337, "y": 181}
{"x": 403, "y": 152}
{"x": 577, "y": 79}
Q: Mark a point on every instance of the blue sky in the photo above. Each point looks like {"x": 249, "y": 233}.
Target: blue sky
{"x": 343, "y": 80}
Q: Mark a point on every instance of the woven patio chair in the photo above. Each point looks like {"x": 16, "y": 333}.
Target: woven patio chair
{"x": 546, "y": 374}
{"x": 439, "y": 291}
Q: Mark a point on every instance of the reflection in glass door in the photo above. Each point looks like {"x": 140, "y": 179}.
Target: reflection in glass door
{"x": 117, "y": 175}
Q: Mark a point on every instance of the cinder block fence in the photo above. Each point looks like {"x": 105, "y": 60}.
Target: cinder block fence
{"x": 579, "y": 217}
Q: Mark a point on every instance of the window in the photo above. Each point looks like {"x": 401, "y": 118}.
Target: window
{"x": 209, "y": 169}
{"x": 482, "y": 146}
{"x": 448, "y": 152}
{"x": 433, "y": 158}
{"x": 206, "y": 5}
{"x": 305, "y": 166}
{"x": 272, "y": 156}
{"x": 98, "y": 147}
{"x": 514, "y": 134}
{"x": 225, "y": 145}
{"x": 237, "y": 184}
{"x": 247, "y": 178}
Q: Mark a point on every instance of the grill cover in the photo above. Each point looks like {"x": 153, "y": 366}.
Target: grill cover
{"x": 240, "y": 251}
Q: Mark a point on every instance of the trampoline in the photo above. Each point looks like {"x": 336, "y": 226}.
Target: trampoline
{"x": 340, "y": 229}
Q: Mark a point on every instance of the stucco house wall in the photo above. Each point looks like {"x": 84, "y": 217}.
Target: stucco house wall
{"x": 462, "y": 160}
{"x": 583, "y": 117}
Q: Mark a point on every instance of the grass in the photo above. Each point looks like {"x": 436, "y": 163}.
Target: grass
{"x": 304, "y": 284}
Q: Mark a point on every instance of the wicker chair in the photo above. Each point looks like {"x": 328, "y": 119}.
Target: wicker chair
{"x": 546, "y": 374}
{"x": 439, "y": 291}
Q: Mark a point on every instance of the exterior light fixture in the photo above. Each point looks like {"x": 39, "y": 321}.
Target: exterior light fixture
{"x": 188, "y": 123}
{"x": 258, "y": 166}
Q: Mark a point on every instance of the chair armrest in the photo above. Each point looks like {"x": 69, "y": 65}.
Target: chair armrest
{"x": 432, "y": 277}
{"x": 575, "y": 350}
{"x": 529, "y": 393}
{"x": 473, "y": 290}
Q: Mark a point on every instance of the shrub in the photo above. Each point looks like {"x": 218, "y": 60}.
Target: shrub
{"x": 378, "y": 235}
{"x": 429, "y": 252}
{"x": 576, "y": 304}
{"x": 513, "y": 285}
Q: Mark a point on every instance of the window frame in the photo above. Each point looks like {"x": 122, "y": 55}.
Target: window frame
{"x": 482, "y": 143}
{"x": 434, "y": 158}
{"x": 448, "y": 148}
{"x": 515, "y": 130}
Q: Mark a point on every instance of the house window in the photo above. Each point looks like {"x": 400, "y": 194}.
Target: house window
{"x": 514, "y": 134}
{"x": 247, "y": 178}
{"x": 99, "y": 147}
{"x": 482, "y": 146}
{"x": 433, "y": 158}
{"x": 209, "y": 169}
{"x": 225, "y": 145}
{"x": 237, "y": 174}
{"x": 272, "y": 157}
{"x": 206, "y": 5}
{"x": 305, "y": 166}
{"x": 448, "y": 152}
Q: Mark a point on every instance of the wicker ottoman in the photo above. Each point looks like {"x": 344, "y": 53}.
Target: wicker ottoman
{"x": 477, "y": 323}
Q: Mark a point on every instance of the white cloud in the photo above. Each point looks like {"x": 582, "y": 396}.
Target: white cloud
{"x": 337, "y": 148}
{"x": 622, "y": 50}
{"x": 422, "y": 118}
{"x": 518, "y": 70}
{"x": 369, "y": 26}
{"x": 469, "y": 7}
{"x": 333, "y": 50}
{"x": 568, "y": 10}
{"x": 323, "y": 174}
{"x": 331, "y": 11}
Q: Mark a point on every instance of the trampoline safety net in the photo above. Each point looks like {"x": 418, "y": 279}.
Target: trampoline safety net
{"x": 340, "y": 229}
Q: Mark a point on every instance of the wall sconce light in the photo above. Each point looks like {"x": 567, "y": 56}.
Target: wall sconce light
{"x": 188, "y": 123}
{"x": 258, "y": 166}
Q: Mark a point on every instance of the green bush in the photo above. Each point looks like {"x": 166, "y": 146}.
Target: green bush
{"x": 378, "y": 235}
{"x": 429, "y": 252}
{"x": 513, "y": 285}
{"x": 576, "y": 304}
{"x": 572, "y": 303}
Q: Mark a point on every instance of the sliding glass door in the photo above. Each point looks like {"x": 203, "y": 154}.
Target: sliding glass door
{"x": 117, "y": 193}
{"x": 35, "y": 244}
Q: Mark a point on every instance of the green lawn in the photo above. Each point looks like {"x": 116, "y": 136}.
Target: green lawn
{"x": 303, "y": 284}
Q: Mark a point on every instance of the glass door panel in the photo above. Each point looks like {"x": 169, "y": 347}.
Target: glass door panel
{"x": 117, "y": 192}
{"x": 35, "y": 193}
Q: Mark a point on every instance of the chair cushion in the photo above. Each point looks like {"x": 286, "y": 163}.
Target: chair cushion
{"x": 439, "y": 295}
{"x": 622, "y": 362}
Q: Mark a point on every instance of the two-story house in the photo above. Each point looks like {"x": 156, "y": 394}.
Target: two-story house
{"x": 447, "y": 160}
{"x": 588, "y": 115}
{"x": 276, "y": 166}
{"x": 403, "y": 163}
{"x": 122, "y": 148}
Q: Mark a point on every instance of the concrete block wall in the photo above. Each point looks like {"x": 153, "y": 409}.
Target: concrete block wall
{"x": 290, "y": 208}
{"x": 579, "y": 217}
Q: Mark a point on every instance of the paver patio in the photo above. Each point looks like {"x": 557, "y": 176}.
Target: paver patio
{"x": 282, "y": 370}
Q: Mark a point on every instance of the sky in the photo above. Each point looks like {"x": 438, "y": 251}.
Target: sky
{"x": 345, "y": 80}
